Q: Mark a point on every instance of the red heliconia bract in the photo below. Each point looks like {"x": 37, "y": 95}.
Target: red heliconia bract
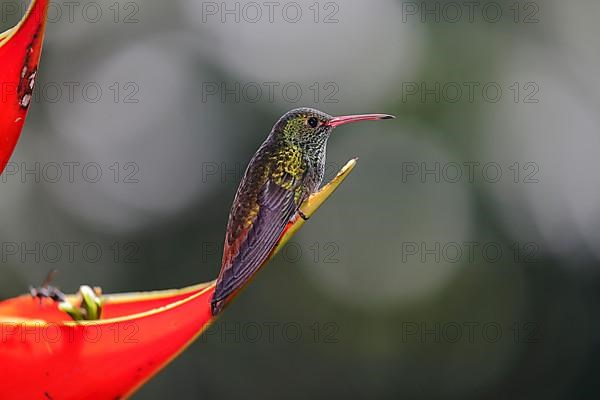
{"x": 20, "y": 50}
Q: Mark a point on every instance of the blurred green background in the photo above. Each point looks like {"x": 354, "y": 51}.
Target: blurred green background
{"x": 459, "y": 260}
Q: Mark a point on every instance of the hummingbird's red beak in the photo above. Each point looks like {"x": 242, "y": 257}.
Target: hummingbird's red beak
{"x": 346, "y": 119}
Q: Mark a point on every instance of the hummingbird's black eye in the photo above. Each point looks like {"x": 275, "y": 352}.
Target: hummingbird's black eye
{"x": 313, "y": 122}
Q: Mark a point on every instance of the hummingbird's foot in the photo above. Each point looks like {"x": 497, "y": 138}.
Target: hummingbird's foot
{"x": 304, "y": 217}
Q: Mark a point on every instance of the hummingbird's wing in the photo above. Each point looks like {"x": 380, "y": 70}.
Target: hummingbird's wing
{"x": 246, "y": 249}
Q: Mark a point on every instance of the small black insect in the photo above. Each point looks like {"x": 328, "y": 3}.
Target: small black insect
{"x": 47, "y": 291}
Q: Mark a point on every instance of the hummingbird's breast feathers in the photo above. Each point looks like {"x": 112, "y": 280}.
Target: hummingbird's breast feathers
{"x": 288, "y": 165}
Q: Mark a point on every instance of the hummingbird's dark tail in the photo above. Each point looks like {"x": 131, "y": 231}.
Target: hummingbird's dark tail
{"x": 216, "y": 306}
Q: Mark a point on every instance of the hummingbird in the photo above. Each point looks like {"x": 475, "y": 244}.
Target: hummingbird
{"x": 286, "y": 169}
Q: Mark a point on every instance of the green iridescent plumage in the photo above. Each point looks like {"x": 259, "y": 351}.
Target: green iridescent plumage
{"x": 285, "y": 170}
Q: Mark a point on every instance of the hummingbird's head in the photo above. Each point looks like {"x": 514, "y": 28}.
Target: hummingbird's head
{"x": 303, "y": 126}
{"x": 311, "y": 128}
